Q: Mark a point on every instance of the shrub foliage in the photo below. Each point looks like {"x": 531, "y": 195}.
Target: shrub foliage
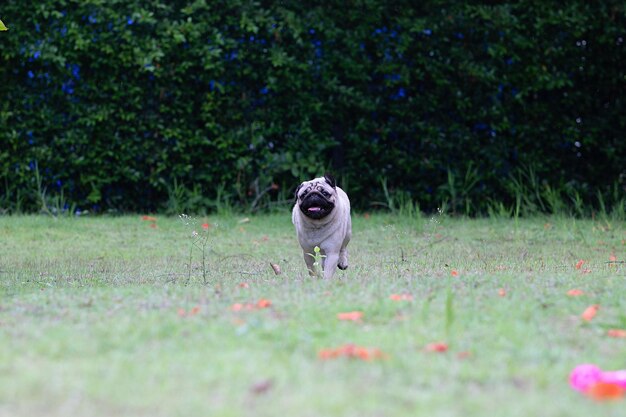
{"x": 152, "y": 104}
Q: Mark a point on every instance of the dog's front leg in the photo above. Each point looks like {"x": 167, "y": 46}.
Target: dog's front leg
{"x": 330, "y": 264}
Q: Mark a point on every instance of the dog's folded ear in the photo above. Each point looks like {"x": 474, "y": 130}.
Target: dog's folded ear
{"x": 330, "y": 180}
{"x": 296, "y": 192}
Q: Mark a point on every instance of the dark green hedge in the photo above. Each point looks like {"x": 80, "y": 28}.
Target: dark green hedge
{"x": 147, "y": 104}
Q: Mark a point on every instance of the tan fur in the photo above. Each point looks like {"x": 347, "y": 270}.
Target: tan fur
{"x": 331, "y": 233}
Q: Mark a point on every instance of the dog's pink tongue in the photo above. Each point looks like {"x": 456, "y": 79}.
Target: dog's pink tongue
{"x": 314, "y": 209}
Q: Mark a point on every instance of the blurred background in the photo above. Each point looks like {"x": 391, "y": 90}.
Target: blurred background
{"x": 473, "y": 108}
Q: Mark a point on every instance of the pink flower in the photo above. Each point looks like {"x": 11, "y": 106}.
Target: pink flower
{"x": 584, "y": 376}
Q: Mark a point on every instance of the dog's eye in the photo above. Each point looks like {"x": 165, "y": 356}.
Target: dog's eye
{"x": 325, "y": 193}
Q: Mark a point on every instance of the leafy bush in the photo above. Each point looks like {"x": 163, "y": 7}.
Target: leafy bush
{"x": 134, "y": 105}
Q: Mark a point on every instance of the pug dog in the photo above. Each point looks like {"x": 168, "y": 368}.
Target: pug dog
{"x": 321, "y": 216}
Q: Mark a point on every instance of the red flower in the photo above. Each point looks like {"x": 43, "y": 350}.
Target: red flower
{"x": 149, "y": 218}
{"x": 454, "y": 273}
{"x": 617, "y": 333}
{"x": 401, "y": 297}
{"x": 590, "y": 312}
{"x": 580, "y": 264}
{"x": 263, "y": 303}
{"x": 575, "y": 293}
{"x": 605, "y": 391}
{"x": 351, "y": 316}
{"x": 436, "y": 347}
{"x": 352, "y": 351}
{"x": 206, "y": 226}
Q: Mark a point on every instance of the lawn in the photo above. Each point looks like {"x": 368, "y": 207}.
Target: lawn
{"x": 102, "y": 316}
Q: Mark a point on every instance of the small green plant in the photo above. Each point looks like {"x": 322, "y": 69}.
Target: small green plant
{"x": 199, "y": 240}
{"x": 400, "y": 203}
{"x": 457, "y": 190}
{"x": 41, "y": 191}
{"x": 318, "y": 258}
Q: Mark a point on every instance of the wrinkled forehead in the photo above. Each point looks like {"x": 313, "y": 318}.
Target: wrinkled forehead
{"x": 314, "y": 185}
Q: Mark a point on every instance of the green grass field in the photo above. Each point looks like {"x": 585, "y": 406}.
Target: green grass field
{"x": 91, "y": 319}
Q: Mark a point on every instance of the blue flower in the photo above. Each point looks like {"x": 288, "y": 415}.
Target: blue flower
{"x": 251, "y": 38}
{"x": 427, "y": 32}
{"x": 63, "y": 31}
{"x": 30, "y": 74}
{"x": 393, "y": 77}
{"x": 68, "y": 87}
{"x": 37, "y": 54}
{"x": 401, "y": 93}
{"x": 75, "y": 71}
{"x": 37, "y": 27}
{"x": 92, "y": 19}
{"x": 264, "y": 90}
{"x": 312, "y": 31}
{"x": 130, "y": 21}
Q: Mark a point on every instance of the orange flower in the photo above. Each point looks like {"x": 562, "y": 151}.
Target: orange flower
{"x": 351, "y": 316}
{"x": 454, "y": 273}
{"x": 436, "y": 347}
{"x": 575, "y": 293}
{"x": 351, "y": 351}
{"x": 605, "y": 391}
{"x": 401, "y": 297}
{"x": 237, "y": 307}
{"x": 617, "y": 333}
{"x": 194, "y": 311}
{"x": 149, "y": 218}
{"x": 590, "y": 312}
{"x": 153, "y": 225}
{"x": 580, "y": 264}
{"x": 502, "y": 292}
{"x": 243, "y": 285}
{"x": 206, "y": 226}
{"x": 328, "y": 354}
{"x": 263, "y": 303}
{"x": 612, "y": 258}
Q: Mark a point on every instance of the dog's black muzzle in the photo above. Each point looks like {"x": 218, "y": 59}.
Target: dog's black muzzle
{"x": 315, "y": 206}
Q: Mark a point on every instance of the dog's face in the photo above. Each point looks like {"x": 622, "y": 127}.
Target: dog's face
{"x": 316, "y": 198}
